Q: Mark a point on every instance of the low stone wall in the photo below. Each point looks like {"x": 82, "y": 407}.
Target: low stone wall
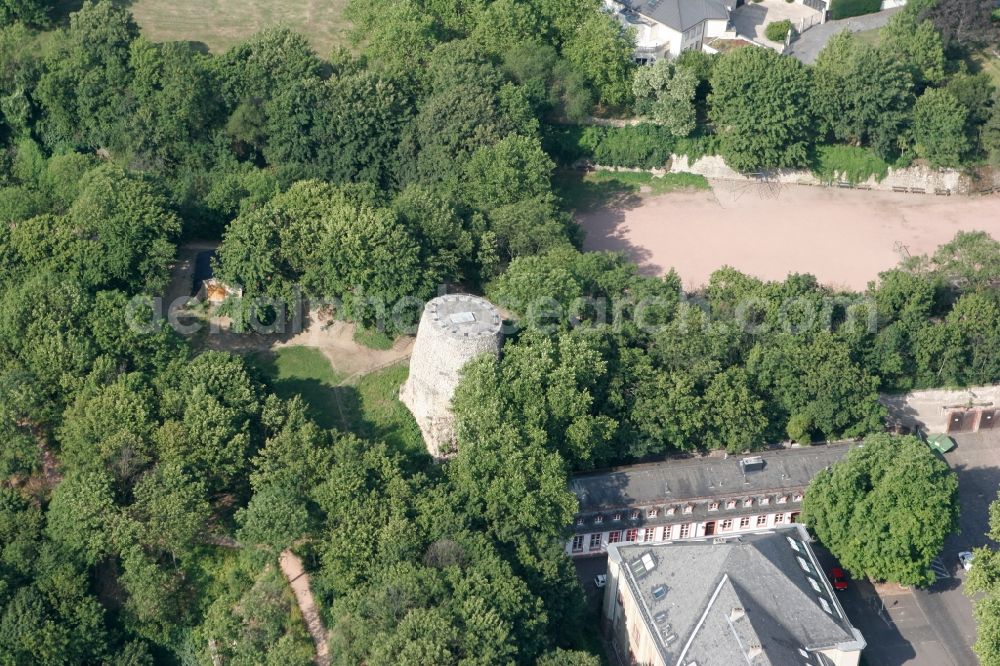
{"x": 930, "y": 409}
{"x": 910, "y": 179}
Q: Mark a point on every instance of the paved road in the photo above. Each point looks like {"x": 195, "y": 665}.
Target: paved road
{"x": 976, "y": 461}
{"x": 812, "y": 41}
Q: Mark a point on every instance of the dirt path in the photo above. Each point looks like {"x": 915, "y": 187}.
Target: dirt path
{"x": 297, "y": 577}
{"x": 843, "y": 237}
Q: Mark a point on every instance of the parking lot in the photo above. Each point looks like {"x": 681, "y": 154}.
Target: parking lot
{"x": 928, "y": 627}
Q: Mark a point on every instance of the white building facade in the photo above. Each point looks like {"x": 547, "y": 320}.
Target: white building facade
{"x": 694, "y": 498}
{"x": 665, "y": 28}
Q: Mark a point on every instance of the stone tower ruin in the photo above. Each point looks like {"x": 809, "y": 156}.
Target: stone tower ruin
{"x": 453, "y": 330}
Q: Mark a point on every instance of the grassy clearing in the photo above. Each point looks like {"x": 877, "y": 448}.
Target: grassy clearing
{"x": 585, "y": 191}
{"x": 304, "y": 371}
{"x": 369, "y": 409}
{"x": 381, "y": 416}
{"x": 218, "y": 24}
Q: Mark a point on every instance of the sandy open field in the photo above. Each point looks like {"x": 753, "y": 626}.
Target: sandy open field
{"x": 843, "y": 237}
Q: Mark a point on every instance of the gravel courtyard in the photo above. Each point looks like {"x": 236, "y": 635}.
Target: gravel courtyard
{"x": 844, "y": 237}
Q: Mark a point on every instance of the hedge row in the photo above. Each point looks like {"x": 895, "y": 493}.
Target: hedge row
{"x": 841, "y": 9}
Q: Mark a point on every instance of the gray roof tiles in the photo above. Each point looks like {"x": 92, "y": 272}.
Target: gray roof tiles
{"x": 724, "y": 599}
{"x": 681, "y": 15}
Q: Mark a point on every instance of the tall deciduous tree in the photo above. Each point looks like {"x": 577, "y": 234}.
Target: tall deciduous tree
{"x": 885, "y": 509}
{"x": 939, "y": 122}
{"x": 861, "y": 94}
{"x": 666, "y": 92}
{"x": 760, "y": 107}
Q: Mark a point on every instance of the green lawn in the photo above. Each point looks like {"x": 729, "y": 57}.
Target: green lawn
{"x": 584, "y": 191}
{"x": 871, "y": 37}
{"x": 381, "y": 416}
{"x": 306, "y": 372}
{"x": 218, "y": 24}
{"x": 370, "y": 408}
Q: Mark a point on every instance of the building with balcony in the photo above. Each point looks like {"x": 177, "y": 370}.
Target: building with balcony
{"x": 694, "y": 498}
{"x": 664, "y": 28}
{"x": 759, "y": 599}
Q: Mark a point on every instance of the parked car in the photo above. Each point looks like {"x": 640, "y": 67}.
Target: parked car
{"x": 600, "y": 580}
{"x": 838, "y": 578}
{"x": 965, "y": 559}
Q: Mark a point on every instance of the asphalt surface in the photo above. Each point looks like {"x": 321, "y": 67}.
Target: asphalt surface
{"x": 976, "y": 461}
{"x": 808, "y": 45}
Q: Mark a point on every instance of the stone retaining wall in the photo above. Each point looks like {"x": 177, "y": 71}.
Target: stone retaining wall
{"x": 910, "y": 179}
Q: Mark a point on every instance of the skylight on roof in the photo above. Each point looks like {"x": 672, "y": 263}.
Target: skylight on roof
{"x": 815, "y": 585}
{"x": 826, "y": 605}
{"x": 659, "y": 592}
{"x": 803, "y": 564}
{"x": 794, "y": 544}
{"x": 647, "y": 561}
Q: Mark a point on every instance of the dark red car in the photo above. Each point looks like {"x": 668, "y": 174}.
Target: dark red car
{"x": 838, "y": 578}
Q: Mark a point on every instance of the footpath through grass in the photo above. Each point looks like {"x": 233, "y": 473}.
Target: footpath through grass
{"x": 586, "y": 191}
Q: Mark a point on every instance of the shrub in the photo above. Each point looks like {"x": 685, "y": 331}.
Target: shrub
{"x": 697, "y": 146}
{"x": 841, "y": 9}
{"x": 644, "y": 146}
{"x": 778, "y": 30}
{"x": 853, "y": 163}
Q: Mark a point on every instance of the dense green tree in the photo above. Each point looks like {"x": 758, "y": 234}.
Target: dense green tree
{"x": 982, "y": 581}
{"x": 894, "y": 487}
{"x": 84, "y": 89}
{"x": 266, "y": 62}
{"x": 171, "y": 509}
{"x": 760, "y": 107}
{"x": 918, "y": 45}
{"x": 939, "y": 126}
{"x": 602, "y": 51}
{"x": 513, "y": 169}
{"x": 548, "y": 386}
{"x": 124, "y": 232}
{"x": 818, "y": 379}
{"x": 552, "y": 84}
{"x": 861, "y": 94}
{"x": 666, "y": 92}
{"x": 176, "y": 103}
{"x": 36, "y": 13}
{"x": 734, "y": 415}
{"x": 81, "y": 514}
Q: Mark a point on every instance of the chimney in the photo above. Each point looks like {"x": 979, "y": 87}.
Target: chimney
{"x": 755, "y": 651}
{"x": 736, "y": 614}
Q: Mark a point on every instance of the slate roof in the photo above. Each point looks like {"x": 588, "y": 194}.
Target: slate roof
{"x": 745, "y": 600}
{"x": 702, "y": 477}
{"x": 696, "y": 482}
{"x": 681, "y": 15}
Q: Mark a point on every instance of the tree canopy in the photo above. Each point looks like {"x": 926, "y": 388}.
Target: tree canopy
{"x": 885, "y": 509}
